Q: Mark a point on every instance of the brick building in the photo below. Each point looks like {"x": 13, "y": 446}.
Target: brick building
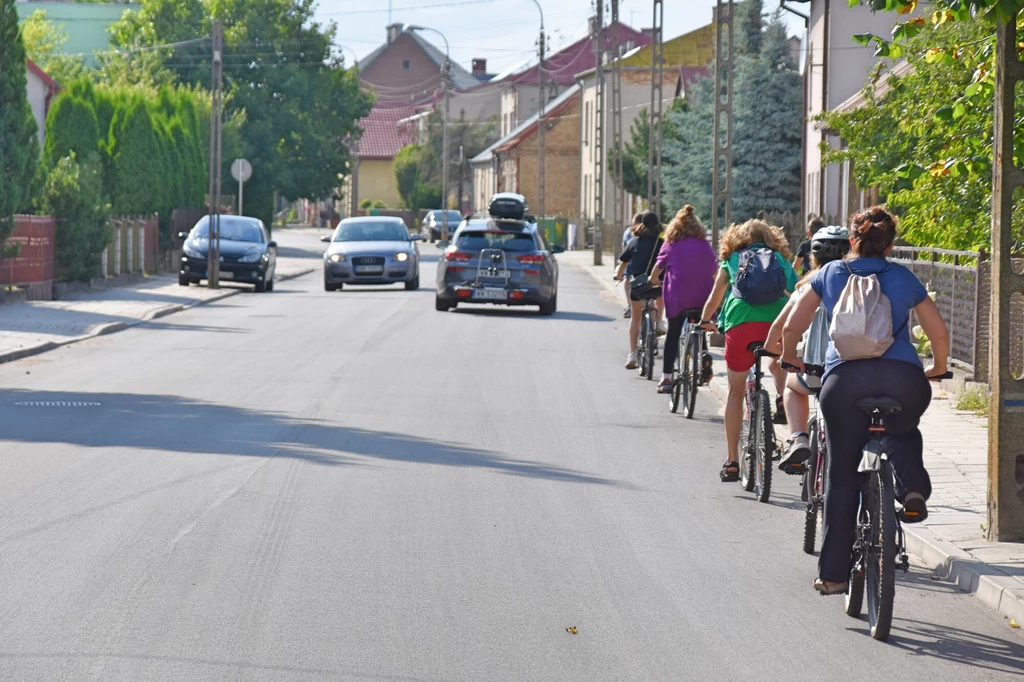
{"x": 510, "y": 164}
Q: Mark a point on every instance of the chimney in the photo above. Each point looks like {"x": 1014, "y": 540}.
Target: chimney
{"x": 394, "y": 30}
{"x": 479, "y": 67}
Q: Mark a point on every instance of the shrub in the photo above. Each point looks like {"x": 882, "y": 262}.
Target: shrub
{"x": 71, "y": 126}
{"x": 73, "y": 193}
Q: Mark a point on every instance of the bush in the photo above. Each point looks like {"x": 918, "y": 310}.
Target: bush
{"x": 71, "y": 126}
{"x": 368, "y": 204}
{"x": 73, "y": 193}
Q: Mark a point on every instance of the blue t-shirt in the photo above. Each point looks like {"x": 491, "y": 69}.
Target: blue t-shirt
{"x": 900, "y": 286}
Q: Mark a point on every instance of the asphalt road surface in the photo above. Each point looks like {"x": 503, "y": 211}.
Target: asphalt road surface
{"x": 305, "y": 485}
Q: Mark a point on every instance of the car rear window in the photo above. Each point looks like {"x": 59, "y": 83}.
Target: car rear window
{"x": 492, "y": 239}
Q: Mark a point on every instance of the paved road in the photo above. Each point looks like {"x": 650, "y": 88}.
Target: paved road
{"x": 352, "y": 486}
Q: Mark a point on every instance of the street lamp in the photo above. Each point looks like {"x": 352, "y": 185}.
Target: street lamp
{"x": 540, "y": 117}
{"x": 445, "y": 72}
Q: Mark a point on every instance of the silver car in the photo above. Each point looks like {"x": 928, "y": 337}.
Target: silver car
{"x": 371, "y": 250}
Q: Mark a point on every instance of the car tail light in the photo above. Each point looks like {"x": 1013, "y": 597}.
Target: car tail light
{"x": 517, "y": 295}
{"x": 454, "y": 269}
{"x": 531, "y": 258}
{"x": 464, "y": 293}
{"x": 456, "y": 255}
{"x": 531, "y": 272}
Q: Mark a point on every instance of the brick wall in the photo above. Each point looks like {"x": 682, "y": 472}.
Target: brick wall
{"x": 400, "y": 85}
{"x": 562, "y": 164}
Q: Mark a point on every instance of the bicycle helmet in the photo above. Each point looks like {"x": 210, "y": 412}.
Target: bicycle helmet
{"x": 830, "y": 243}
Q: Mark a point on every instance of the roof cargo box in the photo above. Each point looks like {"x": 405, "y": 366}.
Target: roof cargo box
{"x": 508, "y": 205}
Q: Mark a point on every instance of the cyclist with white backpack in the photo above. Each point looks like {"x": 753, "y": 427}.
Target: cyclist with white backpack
{"x": 752, "y": 287}
{"x": 869, "y": 300}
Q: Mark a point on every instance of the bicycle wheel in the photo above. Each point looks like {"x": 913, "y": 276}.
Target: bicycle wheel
{"x": 855, "y": 591}
{"x": 810, "y": 489}
{"x": 881, "y": 552}
{"x": 692, "y": 364}
{"x": 745, "y": 455}
{"x": 764, "y": 446}
{"x": 678, "y": 387}
{"x": 652, "y": 348}
{"x": 641, "y": 349}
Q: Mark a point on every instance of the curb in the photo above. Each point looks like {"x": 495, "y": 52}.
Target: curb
{"x": 106, "y": 328}
{"x": 993, "y": 587}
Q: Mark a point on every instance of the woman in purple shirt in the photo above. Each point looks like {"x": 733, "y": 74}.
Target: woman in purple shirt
{"x": 689, "y": 264}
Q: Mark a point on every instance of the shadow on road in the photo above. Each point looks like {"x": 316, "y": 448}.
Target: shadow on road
{"x": 176, "y": 424}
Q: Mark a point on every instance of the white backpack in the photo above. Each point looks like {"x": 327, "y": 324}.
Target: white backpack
{"x": 862, "y": 319}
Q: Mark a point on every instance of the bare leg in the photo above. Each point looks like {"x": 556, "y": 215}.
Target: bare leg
{"x": 798, "y": 409}
{"x": 637, "y": 308}
{"x": 779, "y": 375}
{"x": 734, "y": 413}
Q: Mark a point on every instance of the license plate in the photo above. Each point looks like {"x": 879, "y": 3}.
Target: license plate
{"x": 490, "y": 294}
{"x": 227, "y": 274}
{"x": 369, "y": 269}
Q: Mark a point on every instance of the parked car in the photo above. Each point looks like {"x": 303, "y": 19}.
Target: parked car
{"x": 433, "y": 223}
{"x": 247, "y": 253}
{"x": 498, "y": 261}
{"x": 371, "y": 250}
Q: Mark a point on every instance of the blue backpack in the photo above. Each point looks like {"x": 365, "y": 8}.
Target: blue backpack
{"x": 759, "y": 277}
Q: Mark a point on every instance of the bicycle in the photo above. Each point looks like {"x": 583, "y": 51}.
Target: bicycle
{"x": 816, "y": 476}
{"x": 879, "y": 544}
{"x": 647, "y": 343}
{"x": 690, "y": 372}
{"x": 760, "y": 447}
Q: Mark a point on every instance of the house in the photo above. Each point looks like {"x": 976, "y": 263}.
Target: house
{"x": 510, "y": 164}
{"x": 520, "y": 98}
{"x": 40, "y": 90}
{"x": 404, "y": 75}
{"x": 835, "y": 72}
{"x": 685, "y": 59}
{"x": 87, "y": 24}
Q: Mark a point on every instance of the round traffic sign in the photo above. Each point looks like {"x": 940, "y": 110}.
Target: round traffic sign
{"x": 241, "y": 170}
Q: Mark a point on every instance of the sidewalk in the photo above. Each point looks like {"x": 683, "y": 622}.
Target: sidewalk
{"x": 951, "y": 541}
{"x": 35, "y": 327}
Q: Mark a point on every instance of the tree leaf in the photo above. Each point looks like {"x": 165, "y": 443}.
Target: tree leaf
{"x": 862, "y": 38}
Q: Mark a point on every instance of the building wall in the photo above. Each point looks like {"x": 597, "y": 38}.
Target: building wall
{"x": 562, "y": 164}
{"x": 37, "y": 92}
{"x": 396, "y": 83}
{"x": 86, "y": 23}
{"x": 847, "y": 66}
{"x": 484, "y": 186}
{"x": 480, "y": 104}
{"x": 377, "y": 181}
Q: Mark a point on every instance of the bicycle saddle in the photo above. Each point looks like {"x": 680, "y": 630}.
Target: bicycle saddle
{"x": 754, "y": 345}
{"x": 882, "y": 403}
{"x": 692, "y": 314}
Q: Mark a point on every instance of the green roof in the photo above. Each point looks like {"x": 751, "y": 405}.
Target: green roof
{"x": 86, "y": 23}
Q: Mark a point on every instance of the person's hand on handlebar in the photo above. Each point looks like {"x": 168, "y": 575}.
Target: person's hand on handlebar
{"x": 708, "y": 326}
{"x": 792, "y": 364}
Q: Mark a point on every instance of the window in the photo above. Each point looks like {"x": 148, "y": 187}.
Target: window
{"x": 405, "y": 65}
{"x": 493, "y": 239}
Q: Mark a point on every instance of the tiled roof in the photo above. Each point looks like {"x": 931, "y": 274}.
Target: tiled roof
{"x": 382, "y": 136}
{"x": 563, "y": 66}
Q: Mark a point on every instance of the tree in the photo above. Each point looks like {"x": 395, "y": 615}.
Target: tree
{"x": 688, "y": 151}
{"x": 44, "y": 43}
{"x": 73, "y": 192}
{"x": 71, "y": 126}
{"x": 137, "y": 161}
{"x": 749, "y": 27}
{"x": 635, "y": 155}
{"x": 19, "y": 145}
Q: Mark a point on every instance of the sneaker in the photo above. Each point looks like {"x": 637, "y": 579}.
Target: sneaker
{"x": 798, "y": 451}
{"x": 663, "y": 328}
{"x": 665, "y": 385}
{"x": 627, "y": 312}
{"x": 631, "y": 361}
{"x": 780, "y": 412}
{"x": 706, "y": 369}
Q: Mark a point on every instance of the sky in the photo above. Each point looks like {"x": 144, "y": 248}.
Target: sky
{"x": 502, "y": 31}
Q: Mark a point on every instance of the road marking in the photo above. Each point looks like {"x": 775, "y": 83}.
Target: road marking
{"x": 56, "y": 403}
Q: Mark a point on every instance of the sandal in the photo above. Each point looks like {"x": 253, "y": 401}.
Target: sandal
{"x": 665, "y": 385}
{"x": 915, "y": 510}
{"x": 780, "y": 411}
{"x": 730, "y": 472}
{"x": 828, "y": 589}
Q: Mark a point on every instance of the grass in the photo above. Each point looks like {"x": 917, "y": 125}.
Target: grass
{"x": 974, "y": 399}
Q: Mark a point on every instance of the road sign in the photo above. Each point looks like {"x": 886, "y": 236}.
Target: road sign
{"x": 241, "y": 170}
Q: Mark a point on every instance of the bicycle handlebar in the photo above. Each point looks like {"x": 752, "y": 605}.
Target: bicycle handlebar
{"x": 762, "y": 353}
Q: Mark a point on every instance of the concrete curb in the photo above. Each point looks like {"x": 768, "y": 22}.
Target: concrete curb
{"x": 992, "y": 586}
{"x": 106, "y": 328}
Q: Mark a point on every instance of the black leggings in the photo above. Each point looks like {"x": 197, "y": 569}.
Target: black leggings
{"x": 675, "y": 330}
{"x": 847, "y": 433}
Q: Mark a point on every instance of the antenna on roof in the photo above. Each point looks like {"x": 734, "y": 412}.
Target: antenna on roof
{"x": 389, "y": 12}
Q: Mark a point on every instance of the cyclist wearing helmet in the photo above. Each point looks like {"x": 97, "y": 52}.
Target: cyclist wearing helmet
{"x": 827, "y": 244}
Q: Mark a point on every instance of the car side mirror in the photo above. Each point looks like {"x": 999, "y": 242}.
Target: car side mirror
{"x": 325, "y": 238}
{"x": 416, "y": 237}
{"x": 443, "y": 245}
{"x": 183, "y": 236}
{"x": 272, "y": 244}
{"x": 557, "y": 248}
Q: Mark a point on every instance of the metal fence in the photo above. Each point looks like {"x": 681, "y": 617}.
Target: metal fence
{"x": 956, "y": 278}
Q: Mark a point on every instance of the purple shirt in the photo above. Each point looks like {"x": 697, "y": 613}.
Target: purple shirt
{"x": 690, "y": 267}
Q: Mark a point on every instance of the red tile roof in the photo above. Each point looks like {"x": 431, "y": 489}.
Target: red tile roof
{"x": 382, "y": 136}
{"x": 563, "y": 66}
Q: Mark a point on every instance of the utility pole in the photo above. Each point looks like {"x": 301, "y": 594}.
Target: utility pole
{"x": 721, "y": 168}
{"x": 1006, "y": 392}
{"x": 540, "y": 120}
{"x": 619, "y": 192}
{"x": 216, "y": 83}
{"x": 657, "y": 103}
{"x": 599, "y": 134}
